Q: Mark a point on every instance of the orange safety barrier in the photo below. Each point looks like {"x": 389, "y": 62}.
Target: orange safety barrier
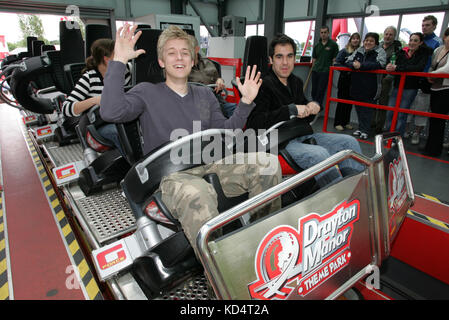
{"x": 396, "y": 109}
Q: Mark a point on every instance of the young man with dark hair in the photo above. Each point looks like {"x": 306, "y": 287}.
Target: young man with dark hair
{"x": 281, "y": 97}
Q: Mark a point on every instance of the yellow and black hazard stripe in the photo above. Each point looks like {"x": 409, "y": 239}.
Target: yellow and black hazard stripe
{"x": 429, "y": 220}
{"x": 88, "y": 281}
{"x": 4, "y": 285}
{"x": 433, "y": 198}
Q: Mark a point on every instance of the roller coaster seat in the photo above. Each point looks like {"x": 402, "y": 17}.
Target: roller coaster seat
{"x": 25, "y": 83}
{"x": 171, "y": 259}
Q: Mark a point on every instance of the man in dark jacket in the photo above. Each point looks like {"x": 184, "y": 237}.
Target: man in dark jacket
{"x": 391, "y": 46}
{"x": 281, "y": 97}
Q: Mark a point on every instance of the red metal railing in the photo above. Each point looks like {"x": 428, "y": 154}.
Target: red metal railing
{"x": 396, "y": 109}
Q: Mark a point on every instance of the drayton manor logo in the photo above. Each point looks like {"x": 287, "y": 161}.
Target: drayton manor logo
{"x": 288, "y": 259}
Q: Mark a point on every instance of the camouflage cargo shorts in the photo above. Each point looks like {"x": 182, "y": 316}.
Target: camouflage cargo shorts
{"x": 193, "y": 201}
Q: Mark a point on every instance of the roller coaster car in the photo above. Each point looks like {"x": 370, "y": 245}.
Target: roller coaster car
{"x": 323, "y": 244}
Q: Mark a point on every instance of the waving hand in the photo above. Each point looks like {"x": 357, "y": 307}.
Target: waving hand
{"x": 250, "y": 87}
{"x": 125, "y": 40}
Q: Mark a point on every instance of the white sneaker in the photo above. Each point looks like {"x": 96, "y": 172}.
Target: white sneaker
{"x": 364, "y": 136}
{"x": 349, "y": 127}
{"x": 415, "y": 138}
{"x": 339, "y": 128}
{"x": 357, "y": 133}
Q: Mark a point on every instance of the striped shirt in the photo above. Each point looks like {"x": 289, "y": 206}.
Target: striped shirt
{"x": 89, "y": 85}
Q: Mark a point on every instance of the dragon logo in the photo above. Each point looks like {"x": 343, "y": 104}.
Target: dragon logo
{"x": 288, "y": 260}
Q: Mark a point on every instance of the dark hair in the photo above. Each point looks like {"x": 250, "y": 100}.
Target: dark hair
{"x": 419, "y": 34}
{"x": 100, "y": 48}
{"x": 373, "y": 35}
{"x": 324, "y": 27}
{"x": 348, "y": 46}
{"x": 281, "y": 39}
{"x": 431, "y": 18}
{"x": 446, "y": 32}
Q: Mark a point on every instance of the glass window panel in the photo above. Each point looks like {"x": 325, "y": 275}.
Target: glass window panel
{"x": 299, "y": 31}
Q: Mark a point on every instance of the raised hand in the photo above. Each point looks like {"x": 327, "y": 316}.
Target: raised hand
{"x": 125, "y": 40}
{"x": 250, "y": 88}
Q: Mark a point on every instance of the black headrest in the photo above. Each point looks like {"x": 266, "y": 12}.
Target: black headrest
{"x": 59, "y": 78}
{"x": 142, "y": 64}
{"x": 94, "y": 32}
{"x": 256, "y": 53}
{"x": 30, "y": 45}
{"x": 73, "y": 73}
{"x": 35, "y": 67}
{"x": 37, "y": 47}
{"x": 71, "y": 44}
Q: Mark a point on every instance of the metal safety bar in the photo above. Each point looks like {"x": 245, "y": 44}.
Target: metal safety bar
{"x": 396, "y": 109}
{"x": 141, "y": 169}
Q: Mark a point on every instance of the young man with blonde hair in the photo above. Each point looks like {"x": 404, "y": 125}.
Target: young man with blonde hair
{"x": 173, "y": 105}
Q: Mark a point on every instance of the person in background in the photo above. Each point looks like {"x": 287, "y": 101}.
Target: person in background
{"x": 422, "y": 101}
{"x": 410, "y": 59}
{"x": 391, "y": 47}
{"x": 204, "y": 71}
{"x": 365, "y": 87}
{"x": 439, "y": 97}
{"x": 323, "y": 56}
{"x": 88, "y": 89}
{"x": 343, "y": 110}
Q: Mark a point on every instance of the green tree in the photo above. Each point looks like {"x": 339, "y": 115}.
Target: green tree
{"x": 31, "y": 26}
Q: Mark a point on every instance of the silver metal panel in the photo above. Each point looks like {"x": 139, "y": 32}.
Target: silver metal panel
{"x": 235, "y": 255}
{"x": 195, "y": 288}
{"x": 107, "y": 214}
{"x": 63, "y": 155}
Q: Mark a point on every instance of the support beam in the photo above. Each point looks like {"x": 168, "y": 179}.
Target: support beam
{"x": 274, "y": 18}
{"x": 321, "y": 15}
{"x": 203, "y": 21}
{"x": 177, "y": 7}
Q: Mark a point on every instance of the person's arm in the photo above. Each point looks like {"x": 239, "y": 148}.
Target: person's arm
{"x": 79, "y": 100}
{"x": 378, "y": 63}
{"x": 116, "y": 105}
{"x": 340, "y": 60}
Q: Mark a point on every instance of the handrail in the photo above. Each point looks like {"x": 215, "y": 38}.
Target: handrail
{"x": 141, "y": 169}
{"x": 396, "y": 109}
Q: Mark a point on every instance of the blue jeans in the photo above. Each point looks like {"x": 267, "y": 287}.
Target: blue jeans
{"x": 408, "y": 96}
{"x": 109, "y": 132}
{"x": 328, "y": 144}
